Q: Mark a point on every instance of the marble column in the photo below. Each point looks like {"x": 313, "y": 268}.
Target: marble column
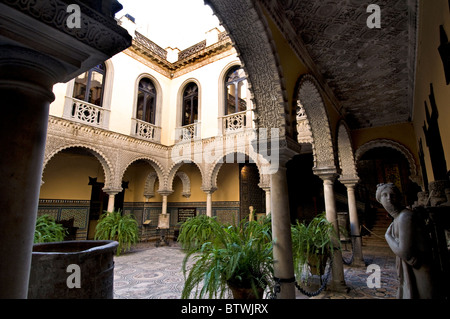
{"x": 281, "y": 232}
{"x": 355, "y": 233}
{"x": 268, "y": 204}
{"x": 112, "y": 196}
{"x": 209, "y": 192}
{"x": 165, "y": 195}
{"x": 328, "y": 176}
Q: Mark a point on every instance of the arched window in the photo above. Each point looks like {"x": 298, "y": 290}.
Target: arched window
{"x": 190, "y": 104}
{"x": 235, "y": 91}
{"x": 146, "y": 101}
{"x": 89, "y": 86}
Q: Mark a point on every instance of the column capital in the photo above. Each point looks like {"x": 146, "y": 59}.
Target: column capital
{"x": 329, "y": 173}
{"x": 165, "y": 192}
{"x": 349, "y": 181}
{"x": 208, "y": 190}
{"x": 112, "y": 190}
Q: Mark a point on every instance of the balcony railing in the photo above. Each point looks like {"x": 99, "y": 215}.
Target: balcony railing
{"x": 146, "y": 130}
{"x": 86, "y": 113}
{"x": 188, "y": 132}
{"x": 234, "y": 122}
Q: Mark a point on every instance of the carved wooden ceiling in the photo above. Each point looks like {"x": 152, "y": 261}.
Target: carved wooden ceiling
{"x": 370, "y": 71}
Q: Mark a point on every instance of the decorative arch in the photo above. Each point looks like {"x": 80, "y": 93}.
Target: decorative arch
{"x": 172, "y": 172}
{"x": 247, "y": 27}
{"x": 108, "y": 169}
{"x": 217, "y": 164}
{"x": 309, "y": 101}
{"x": 149, "y": 186}
{"x": 345, "y": 153}
{"x": 159, "y": 170}
{"x": 185, "y": 180}
{"x": 415, "y": 176}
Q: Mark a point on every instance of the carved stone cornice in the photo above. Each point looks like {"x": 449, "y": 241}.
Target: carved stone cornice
{"x": 145, "y": 50}
{"x": 41, "y": 25}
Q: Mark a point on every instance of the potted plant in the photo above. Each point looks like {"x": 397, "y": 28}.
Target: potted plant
{"x": 225, "y": 257}
{"x": 117, "y": 227}
{"x": 47, "y": 230}
{"x": 312, "y": 244}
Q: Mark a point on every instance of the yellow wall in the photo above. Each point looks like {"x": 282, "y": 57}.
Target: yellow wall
{"x": 430, "y": 69}
{"x": 136, "y": 175}
{"x": 66, "y": 176}
{"x": 228, "y": 183}
{"x": 227, "y": 180}
{"x": 402, "y": 133}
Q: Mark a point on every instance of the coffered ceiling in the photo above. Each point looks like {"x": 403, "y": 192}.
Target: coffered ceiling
{"x": 370, "y": 71}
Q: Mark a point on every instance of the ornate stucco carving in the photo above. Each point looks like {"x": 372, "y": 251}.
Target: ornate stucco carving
{"x": 98, "y": 31}
{"x": 247, "y": 28}
{"x": 345, "y": 152}
{"x": 310, "y": 99}
{"x": 186, "y": 183}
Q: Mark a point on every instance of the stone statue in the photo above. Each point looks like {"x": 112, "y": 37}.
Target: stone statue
{"x": 410, "y": 242}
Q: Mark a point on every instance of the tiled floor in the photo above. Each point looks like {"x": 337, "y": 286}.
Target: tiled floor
{"x": 148, "y": 272}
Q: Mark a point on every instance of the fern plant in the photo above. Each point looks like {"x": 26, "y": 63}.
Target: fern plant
{"x": 121, "y": 228}
{"x": 226, "y": 256}
{"x": 312, "y": 244}
{"x": 47, "y": 230}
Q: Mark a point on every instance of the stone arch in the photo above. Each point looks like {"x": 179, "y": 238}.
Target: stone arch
{"x": 310, "y": 100}
{"x": 172, "y": 172}
{"x": 153, "y": 163}
{"x": 415, "y": 176}
{"x": 108, "y": 169}
{"x": 247, "y": 27}
{"x": 345, "y": 152}
{"x": 217, "y": 164}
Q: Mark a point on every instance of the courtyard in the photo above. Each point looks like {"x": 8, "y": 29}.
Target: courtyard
{"x": 149, "y": 272}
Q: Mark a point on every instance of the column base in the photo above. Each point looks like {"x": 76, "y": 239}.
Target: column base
{"x": 339, "y": 287}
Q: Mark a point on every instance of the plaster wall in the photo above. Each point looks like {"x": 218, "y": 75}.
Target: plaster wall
{"x": 429, "y": 70}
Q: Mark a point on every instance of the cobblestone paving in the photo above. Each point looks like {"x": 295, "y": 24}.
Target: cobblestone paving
{"x": 148, "y": 272}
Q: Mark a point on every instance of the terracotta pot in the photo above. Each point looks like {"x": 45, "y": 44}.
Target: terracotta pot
{"x": 245, "y": 292}
{"x": 317, "y": 264}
